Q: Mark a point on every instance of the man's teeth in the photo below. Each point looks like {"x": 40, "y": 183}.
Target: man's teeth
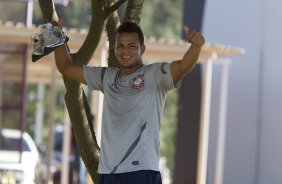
{"x": 126, "y": 57}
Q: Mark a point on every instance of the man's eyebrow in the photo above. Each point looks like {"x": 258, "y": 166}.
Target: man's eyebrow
{"x": 131, "y": 43}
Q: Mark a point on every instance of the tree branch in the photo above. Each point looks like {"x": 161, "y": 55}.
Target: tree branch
{"x": 111, "y": 27}
{"x": 90, "y": 118}
{"x": 88, "y": 149}
{"x": 98, "y": 21}
{"x": 48, "y": 11}
{"x": 133, "y": 11}
{"x": 114, "y": 7}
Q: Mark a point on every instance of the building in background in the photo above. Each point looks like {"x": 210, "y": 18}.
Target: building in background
{"x": 253, "y": 153}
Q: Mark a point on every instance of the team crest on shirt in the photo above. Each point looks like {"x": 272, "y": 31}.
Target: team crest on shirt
{"x": 138, "y": 82}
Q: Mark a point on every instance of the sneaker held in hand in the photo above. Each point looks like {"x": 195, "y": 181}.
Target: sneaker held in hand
{"x": 45, "y": 42}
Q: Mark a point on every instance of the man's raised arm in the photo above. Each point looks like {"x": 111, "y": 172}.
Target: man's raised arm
{"x": 66, "y": 66}
{"x": 182, "y": 67}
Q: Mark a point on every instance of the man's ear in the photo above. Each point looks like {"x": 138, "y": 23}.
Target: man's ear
{"x": 143, "y": 49}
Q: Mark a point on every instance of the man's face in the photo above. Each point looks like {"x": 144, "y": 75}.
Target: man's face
{"x": 128, "y": 50}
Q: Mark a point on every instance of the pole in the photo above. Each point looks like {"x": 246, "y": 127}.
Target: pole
{"x": 39, "y": 114}
{"x": 51, "y": 112}
{"x": 66, "y": 148}
{"x": 28, "y": 22}
{"x": 23, "y": 98}
{"x": 204, "y": 122}
{"x": 219, "y": 164}
{"x": 29, "y": 13}
{"x": 1, "y": 95}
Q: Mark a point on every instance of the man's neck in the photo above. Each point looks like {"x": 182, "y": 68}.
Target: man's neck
{"x": 130, "y": 70}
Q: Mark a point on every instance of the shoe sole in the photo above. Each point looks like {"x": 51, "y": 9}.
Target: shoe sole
{"x": 54, "y": 45}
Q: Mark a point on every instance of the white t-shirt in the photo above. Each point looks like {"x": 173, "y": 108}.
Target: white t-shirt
{"x": 131, "y": 115}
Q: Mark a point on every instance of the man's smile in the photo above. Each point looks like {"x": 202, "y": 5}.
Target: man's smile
{"x": 126, "y": 57}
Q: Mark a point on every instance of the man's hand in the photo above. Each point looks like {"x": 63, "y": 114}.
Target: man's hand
{"x": 58, "y": 23}
{"x": 181, "y": 67}
{"x": 194, "y": 37}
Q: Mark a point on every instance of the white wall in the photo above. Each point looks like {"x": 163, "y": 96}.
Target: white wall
{"x": 254, "y": 119}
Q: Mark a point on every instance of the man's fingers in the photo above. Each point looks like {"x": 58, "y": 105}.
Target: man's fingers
{"x": 186, "y": 30}
{"x": 197, "y": 39}
{"x": 60, "y": 23}
{"x": 194, "y": 37}
{"x": 193, "y": 34}
{"x": 189, "y": 34}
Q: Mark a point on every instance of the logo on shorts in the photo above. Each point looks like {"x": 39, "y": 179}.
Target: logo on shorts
{"x": 138, "y": 82}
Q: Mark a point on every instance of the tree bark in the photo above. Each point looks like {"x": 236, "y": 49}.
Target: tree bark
{"x": 111, "y": 27}
{"x": 76, "y": 102}
{"x": 48, "y": 10}
{"x": 133, "y": 11}
{"x": 87, "y": 146}
{"x": 85, "y": 138}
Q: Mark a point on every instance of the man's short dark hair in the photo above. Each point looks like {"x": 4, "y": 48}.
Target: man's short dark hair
{"x": 131, "y": 27}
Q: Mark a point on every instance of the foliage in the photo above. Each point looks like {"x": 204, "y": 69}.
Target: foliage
{"x": 168, "y": 128}
{"x": 11, "y": 101}
{"x": 162, "y": 18}
{"x": 8, "y": 9}
{"x": 76, "y": 15}
{"x": 159, "y": 18}
{"x": 31, "y": 109}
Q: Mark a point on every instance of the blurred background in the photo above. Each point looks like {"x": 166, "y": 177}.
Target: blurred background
{"x": 242, "y": 89}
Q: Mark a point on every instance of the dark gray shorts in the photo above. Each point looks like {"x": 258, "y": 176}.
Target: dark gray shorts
{"x": 136, "y": 177}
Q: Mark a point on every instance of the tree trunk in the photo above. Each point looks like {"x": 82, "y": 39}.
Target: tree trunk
{"x": 77, "y": 105}
{"x": 85, "y": 138}
{"x": 75, "y": 100}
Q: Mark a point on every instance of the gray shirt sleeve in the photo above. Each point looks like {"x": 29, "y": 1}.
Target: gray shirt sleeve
{"x": 93, "y": 77}
{"x": 164, "y": 77}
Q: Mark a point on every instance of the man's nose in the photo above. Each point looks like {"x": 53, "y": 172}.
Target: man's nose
{"x": 125, "y": 49}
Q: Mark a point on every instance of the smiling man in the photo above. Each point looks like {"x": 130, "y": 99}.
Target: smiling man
{"x": 129, "y": 49}
{"x": 134, "y": 97}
